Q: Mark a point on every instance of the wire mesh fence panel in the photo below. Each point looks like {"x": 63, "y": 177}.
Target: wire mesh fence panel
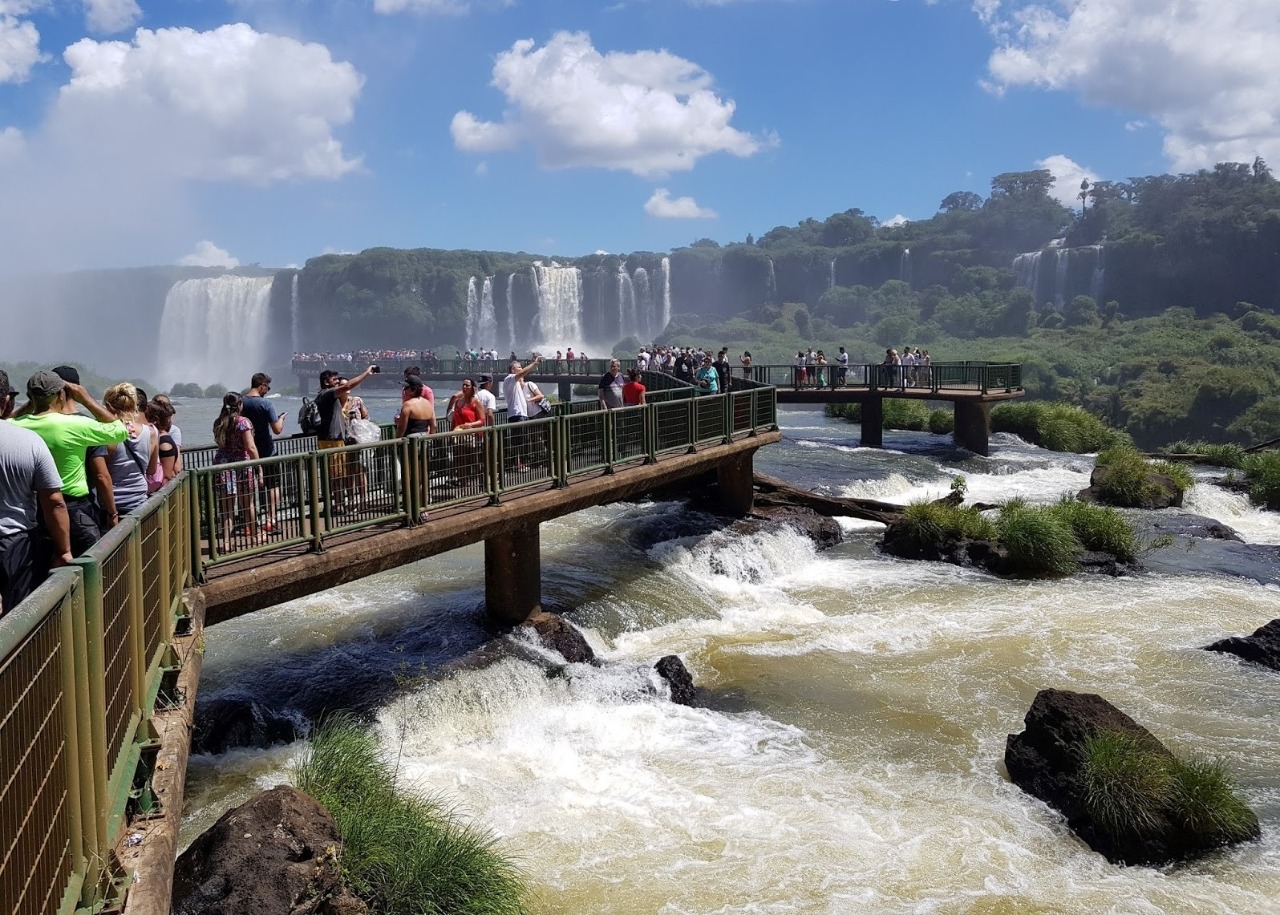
{"x": 527, "y": 452}
{"x": 364, "y": 485}
{"x": 585, "y": 440}
{"x": 743, "y": 420}
{"x": 456, "y": 466}
{"x": 629, "y": 443}
{"x": 710, "y": 422}
{"x": 673, "y": 424}
{"x": 766, "y": 415}
{"x": 118, "y": 646}
{"x": 36, "y": 858}
{"x": 155, "y": 607}
{"x": 235, "y": 491}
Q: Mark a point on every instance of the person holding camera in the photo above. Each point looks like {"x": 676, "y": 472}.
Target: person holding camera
{"x": 332, "y": 432}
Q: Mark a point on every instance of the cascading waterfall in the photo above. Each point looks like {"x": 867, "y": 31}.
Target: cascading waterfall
{"x": 215, "y": 330}
{"x": 771, "y": 289}
{"x": 666, "y": 293}
{"x": 473, "y": 312}
{"x": 559, "y": 291}
{"x": 1061, "y": 261}
{"x": 904, "y": 266}
{"x": 482, "y": 323}
{"x": 644, "y": 293}
{"x": 1027, "y": 269}
{"x": 832, "y": 283}
{"x": 511, "y": 316}
{"x": 626, "y": 304}
{"x": 1098, "y": 276}
{"x": 295, "y": 317}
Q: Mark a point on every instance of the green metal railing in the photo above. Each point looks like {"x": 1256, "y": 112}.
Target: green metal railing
{"x": 984, "y": 377}
{"x": 86, "y": 660}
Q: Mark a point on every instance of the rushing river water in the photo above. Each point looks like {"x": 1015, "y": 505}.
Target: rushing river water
{"x": 852, "y": 757}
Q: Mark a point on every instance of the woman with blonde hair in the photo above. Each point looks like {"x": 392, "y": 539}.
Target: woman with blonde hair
{"x": 120, "y": 472}
{"x": 233, "y": 434}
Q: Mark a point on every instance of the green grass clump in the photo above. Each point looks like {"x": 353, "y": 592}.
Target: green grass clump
{"x": 1126, "y": 784}
{"x": 1127, "y": 482}
{"x": 1206, "y": 800}
{"x": 1262, "y": 472}
{"x": 942, "y": 422}
{"x": 1130, "y": 784}
{"x": 925, "y": 523}
{"x": 1099, "y": 528}
{"x": 906, "y": 415}
{"x": 1040, "y": 542}
{"x": 1219, "y": 455}
{"x": 1056, "y": 426}
{"x": 402, "y": 853}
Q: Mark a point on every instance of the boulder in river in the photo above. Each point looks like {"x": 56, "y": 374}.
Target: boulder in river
{"x": 1121, "y": 790}
{"x": 672, "y": 669}
{"x": 275, "y": 854}
{"x": 230, "y": 720}
{"x": 1158, "y": 490}
{"x": 562, "y": 637}
{"x": 1263, "y": 647}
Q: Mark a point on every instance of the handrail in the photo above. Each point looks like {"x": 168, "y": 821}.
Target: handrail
{"x": 85, "y": 659}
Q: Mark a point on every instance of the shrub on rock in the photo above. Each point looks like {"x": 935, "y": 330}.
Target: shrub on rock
{"x": 1056, "y": 426}
{"x": 1121, "y": 790}
{"x": 1124, "y": 478}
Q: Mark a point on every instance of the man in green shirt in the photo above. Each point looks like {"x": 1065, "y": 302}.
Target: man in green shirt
{"x": 68, "y": 436}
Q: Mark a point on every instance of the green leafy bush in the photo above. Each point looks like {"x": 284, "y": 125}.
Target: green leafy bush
{"x": 402, "y": 853}
{"x": 1098, "y": 527}
{"x": 1040, "y": 542}
{"x": 942, "y": 422}
{"x": 1262, "y": 472}
{"x": 1056, "y": 426}
{"x": 907, "y": 415}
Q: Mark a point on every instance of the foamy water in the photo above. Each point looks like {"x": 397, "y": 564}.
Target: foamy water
{"x": 851, "y": 759}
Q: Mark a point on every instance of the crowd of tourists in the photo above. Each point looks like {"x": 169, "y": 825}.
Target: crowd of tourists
{"x": 66, "y": 478}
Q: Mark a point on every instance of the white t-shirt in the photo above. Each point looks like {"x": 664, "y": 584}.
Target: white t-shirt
{"x": 843, "y": 359}
{"x": 488, "y": 401}
{"x": 513, "y": 393}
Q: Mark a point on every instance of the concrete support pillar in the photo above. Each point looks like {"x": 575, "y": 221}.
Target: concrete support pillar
{"x": 973, "y": 423}
{"x": 873, "y": 422}
{"x": 735, "y": 486}
{"x": 513, "y": 575}
{"x": 566, "y": 391}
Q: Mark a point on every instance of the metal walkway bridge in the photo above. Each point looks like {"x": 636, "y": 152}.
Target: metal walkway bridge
{"x": 99, "y": 667}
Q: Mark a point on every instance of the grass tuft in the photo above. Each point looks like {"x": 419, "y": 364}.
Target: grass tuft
{"x": 1056, "y": 426}
{"x": 1099, "y": 528}
{"x": 1262, "y": 473}
{"x": 1206, "y": 800}
{"x": 1040, "y": 543}
{"x": 403, "y": 853}
{"x": 1126, "y": 784}
{"x": 928, "y": 523}
{"x": 1220, "y": 455}
{"x": 1127, "y": 482}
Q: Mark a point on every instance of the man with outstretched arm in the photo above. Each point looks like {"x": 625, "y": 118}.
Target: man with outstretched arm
{"x": 333, "y": 430}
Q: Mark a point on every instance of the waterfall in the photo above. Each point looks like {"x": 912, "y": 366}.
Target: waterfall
{"x": 832, "y": 283}
{"x": 488, "y": 318}
{"x": 628, "y": 317}
{"x": 215, "y": 330}
{"x": 1062, "y": 260}
{"x": 559, "y": 291}
{"x": 904, "y": 266}
{"x": 666, "y": 293}
{"x": 1027, "y": 269}
{"x": 295, "y": 317}
{"x": 771, "y": 288}
{"x": 1098, "y": 277}
{"x": 645, "y": 303}
{"x": 473, "y": 312}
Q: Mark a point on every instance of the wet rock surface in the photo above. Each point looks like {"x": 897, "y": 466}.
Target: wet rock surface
{"x": 226, "y": 721}
{"x": 1045, "y": 760}
{"x": 1263, "y": 647}
{"x": 1160, "y": 492}
{"x": 672, "y": 669}
{"x": 275, "y": 854}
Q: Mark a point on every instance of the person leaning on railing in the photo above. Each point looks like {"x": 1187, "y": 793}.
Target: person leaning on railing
{"x": 30, "y": 493}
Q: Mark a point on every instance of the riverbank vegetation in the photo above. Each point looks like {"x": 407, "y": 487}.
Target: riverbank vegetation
{"x": 1123, "y": 477}
{"x": 402, "y": 853}
{"x": 906, "y": 415}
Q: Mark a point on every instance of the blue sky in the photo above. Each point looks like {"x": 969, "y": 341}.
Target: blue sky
{"x": 138, "y": 132}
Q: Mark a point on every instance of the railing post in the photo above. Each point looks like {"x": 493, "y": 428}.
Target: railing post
{"x": 651, "y": 434}
{"x": 726, "y": 411}
{"x": 193, "y": 508}
{"x": 492, "y": 449}
{"x": 95, "y": 708}
{"x": 313, "y": 494}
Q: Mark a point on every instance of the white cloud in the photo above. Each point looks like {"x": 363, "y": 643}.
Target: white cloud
{"x": 664, "y": 206}
{"x": 207, "y": 254}
{"x": 894, "y": 221}
{"x": 1134, "y": 126}
{"x": 12, "y": 145}
{"x": 1068, "y": 175}
{"x": 1207, "y": 71}
{"x": 110, "y": 16}
{"x": 230, "y": 104}
{"x": 647, "y": 112}
{"x": 19, "y": 48}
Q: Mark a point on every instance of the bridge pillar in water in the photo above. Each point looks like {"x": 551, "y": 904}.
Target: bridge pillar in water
{"x": 735, "y": 486}
{"x": 873, "y": 422}
{"x": 566, "y": 391}
{"x": 513, "y": 575}
{"x": 973, "y": 423}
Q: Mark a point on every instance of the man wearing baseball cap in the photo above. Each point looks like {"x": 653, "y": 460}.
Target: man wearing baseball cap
{"x": 68, "y": 436}
{"x": 487, "y": 398}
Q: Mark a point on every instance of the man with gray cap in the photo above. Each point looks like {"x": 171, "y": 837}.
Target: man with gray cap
{"x": 68, "y": 436}
{"x": 30, "y": 489}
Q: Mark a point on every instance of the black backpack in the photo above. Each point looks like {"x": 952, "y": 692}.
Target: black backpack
{"x": 309, "y": 417}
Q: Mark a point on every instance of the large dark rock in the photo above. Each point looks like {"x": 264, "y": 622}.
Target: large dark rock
{"x": 275, "y": 854}
{"x": 231, "y": 720}
{"x": 824, "y": 532}
{"x": 672, "y": 669}
{"x": 1160, "y": 492}
{"x": 562, "y": 637}
{"x": 1263, "y": 647}
{"x": 1046, "y": 760}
